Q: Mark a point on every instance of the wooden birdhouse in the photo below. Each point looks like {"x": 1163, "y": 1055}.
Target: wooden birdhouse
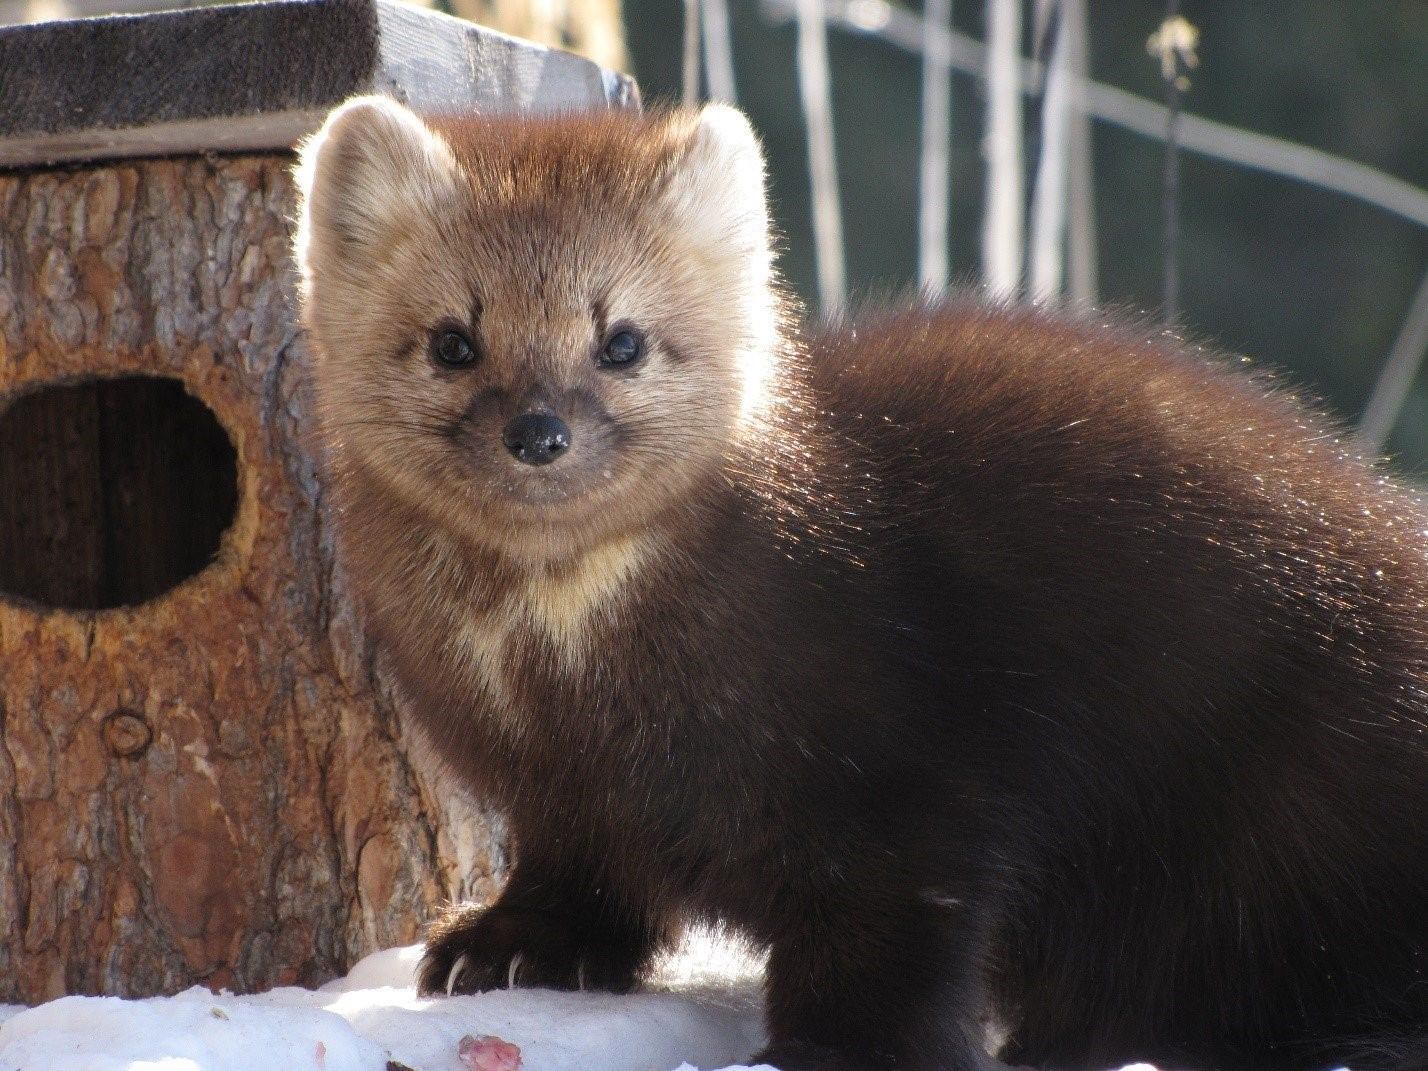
{"x": 204, "y": 776}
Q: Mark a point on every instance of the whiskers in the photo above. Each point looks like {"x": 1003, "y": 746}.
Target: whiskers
{"x": 417, "y": 427}
{"x": 410, "y": 420}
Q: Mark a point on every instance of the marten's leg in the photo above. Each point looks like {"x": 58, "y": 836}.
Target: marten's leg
{"x": 878, "y": 986}
{"x": 546, "y": 929}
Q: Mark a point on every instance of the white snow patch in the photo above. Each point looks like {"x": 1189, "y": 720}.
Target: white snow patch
{"x": 394, "y": 968}
{"x": 193, "y": 1031}
{"x": 703, "y": 1013}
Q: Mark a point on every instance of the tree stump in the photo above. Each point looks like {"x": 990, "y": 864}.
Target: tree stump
{"x": 204, "y": 775}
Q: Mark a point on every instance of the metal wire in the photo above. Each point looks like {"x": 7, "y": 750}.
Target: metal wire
{"x": 1049, "y": 195}
{"x": 690, "y": 95}
{"x": 1170, "y": 186}
{"x": 934, "y": 176}
{"x": 718, "y": 51}
{"x": 1399, "y": 372}
{"x": 1003, "y": 223}
{"x": 1082, "y": 255}
{"x": 815, "y": 91}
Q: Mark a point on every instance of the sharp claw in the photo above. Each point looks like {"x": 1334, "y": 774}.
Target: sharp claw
{"x": 455, "y": 973}
{"x": 512, "y": 970}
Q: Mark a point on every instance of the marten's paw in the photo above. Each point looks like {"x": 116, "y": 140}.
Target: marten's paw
{"x": 473, "y": 950}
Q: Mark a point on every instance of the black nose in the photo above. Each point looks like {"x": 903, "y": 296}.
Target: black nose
{"x": 537, "y": 438}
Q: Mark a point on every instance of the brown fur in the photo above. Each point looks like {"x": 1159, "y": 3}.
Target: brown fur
{"x": 979, "y": 664}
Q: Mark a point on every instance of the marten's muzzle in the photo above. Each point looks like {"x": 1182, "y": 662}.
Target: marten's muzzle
{"x": 536, "y": 438}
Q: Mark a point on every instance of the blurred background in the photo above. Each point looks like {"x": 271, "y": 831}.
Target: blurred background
{"x": 1313, "y": 280}
{"x": 1310, "y": 281}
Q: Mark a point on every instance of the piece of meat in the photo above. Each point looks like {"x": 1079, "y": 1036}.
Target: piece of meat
{"x": 488, "y": 1053}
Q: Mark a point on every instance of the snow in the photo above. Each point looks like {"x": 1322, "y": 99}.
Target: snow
{"x": 702, "y": 1012}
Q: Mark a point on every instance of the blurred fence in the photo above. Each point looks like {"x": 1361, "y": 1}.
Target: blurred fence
{"x": 1046, "y": 254}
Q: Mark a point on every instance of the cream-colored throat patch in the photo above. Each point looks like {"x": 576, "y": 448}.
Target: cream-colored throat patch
{"x": 559, "y": 602}
{"x": 483, "y": 645}
{"x": 562, "y": 600}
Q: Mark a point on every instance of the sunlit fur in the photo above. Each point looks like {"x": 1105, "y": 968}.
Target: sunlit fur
{"x": 1011, "y": 679}
{"x": 536, "y": 238}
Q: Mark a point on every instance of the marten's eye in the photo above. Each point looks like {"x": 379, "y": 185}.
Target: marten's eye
{"x": 451, "y": 347}
{"x": 623, "y": 348}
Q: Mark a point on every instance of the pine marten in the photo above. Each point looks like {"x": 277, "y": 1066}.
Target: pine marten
{"x": 1018, "y": 681}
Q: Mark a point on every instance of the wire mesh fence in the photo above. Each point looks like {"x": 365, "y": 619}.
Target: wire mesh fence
{"x": 1044, "y": 247}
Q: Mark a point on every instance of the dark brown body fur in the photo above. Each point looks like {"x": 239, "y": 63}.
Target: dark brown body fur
{"x": 1020, "y": 670}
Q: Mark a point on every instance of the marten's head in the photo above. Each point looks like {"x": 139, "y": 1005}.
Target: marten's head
{"x": 539, "y": 330}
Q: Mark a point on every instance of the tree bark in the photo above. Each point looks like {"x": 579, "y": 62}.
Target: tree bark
{"x": 212, "y": 786}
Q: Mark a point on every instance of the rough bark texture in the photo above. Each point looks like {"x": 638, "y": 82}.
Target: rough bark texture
{"x": 212, "y": 786}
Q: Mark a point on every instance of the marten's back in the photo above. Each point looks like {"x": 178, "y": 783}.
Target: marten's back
{"x": 1209, "y": 623}
{"x": 1141, "y": 526}
{"x": 1102, "y": 478}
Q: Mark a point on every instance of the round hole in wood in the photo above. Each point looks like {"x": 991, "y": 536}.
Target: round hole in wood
{"x": 112, "y": 491}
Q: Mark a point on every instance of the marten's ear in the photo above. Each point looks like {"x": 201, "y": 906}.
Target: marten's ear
{"x": 717, "y": 184}
{"x": 372, "y": 168}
